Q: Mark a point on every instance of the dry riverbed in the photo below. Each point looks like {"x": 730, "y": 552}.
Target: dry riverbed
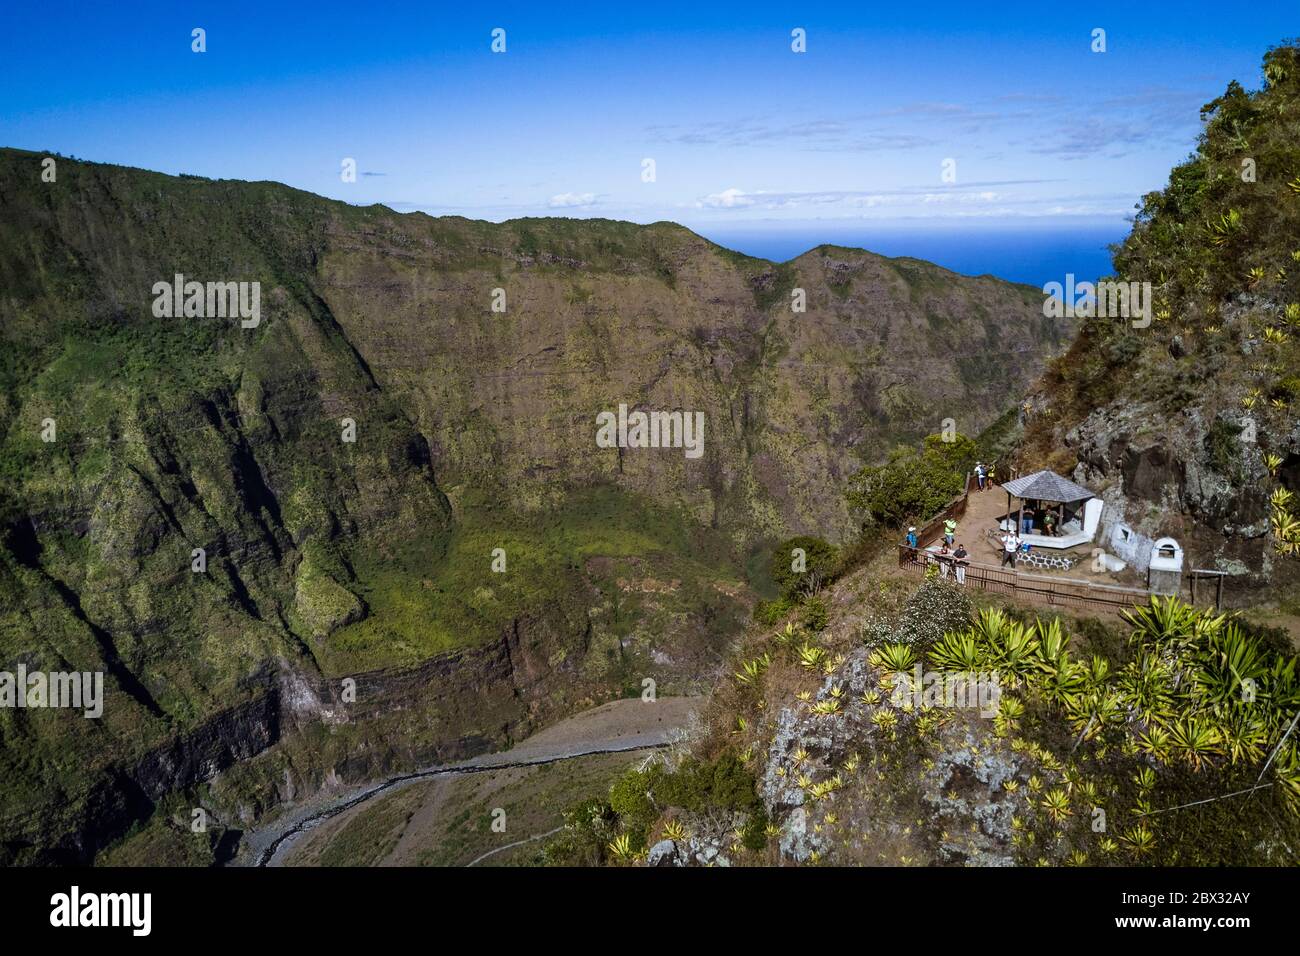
{"x": 443, "y": 816}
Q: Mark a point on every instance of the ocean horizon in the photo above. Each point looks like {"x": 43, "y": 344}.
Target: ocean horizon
{"x": 1034, "y": 255}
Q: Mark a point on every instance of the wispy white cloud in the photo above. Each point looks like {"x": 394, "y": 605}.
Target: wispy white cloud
{"x": 572, "y": 200}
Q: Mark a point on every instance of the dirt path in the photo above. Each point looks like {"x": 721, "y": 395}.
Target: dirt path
{"x": 510, "y": 846}
{"x": 621, "y": 725}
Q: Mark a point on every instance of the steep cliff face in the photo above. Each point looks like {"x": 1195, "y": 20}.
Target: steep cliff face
{"x": 190, "y": 504}
{"x": 1188, "y": 423}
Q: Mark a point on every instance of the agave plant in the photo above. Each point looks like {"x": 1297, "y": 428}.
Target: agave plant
{"x": 1286, "y": 765}
{"x": 621, "y": 848}
{"x": 1164, "y": 619}
{"x": 673, "y": 830}
{"x": 810, "y": 655}
{"x": 1231, "y": 666}
{"x": 1010, "y": 710}
{"x": 1196, "y": 740}
{"x": 1245, "y": 736}
{"x": 1227, "y": 225}
{"x": 958, "y": 652}
{"x": 894, "y": 658}
{"x": 1057, "y": 804}
{"x": 885, "y": 719}
{"x": 1146, "y": 686}
{"x": 752, "y": 670}
{"x": 1145, "y": 779}
{"x": 1015, "y": 648}
{"x": 1155, "y": 742}
{"x": 1139, "y": 840}
{"x": 827, "y": 707}
{"x": 1273, "y": 462}
{"x": 1063, "y": 680}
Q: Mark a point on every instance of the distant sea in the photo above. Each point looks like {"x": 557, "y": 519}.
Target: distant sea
{"x": 1035, "y": 255}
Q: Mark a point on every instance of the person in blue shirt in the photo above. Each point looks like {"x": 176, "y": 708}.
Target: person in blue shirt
{"x": 911, "y": 537}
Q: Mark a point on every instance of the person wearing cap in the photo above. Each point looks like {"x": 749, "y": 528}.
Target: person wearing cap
{"x": 911, "y": 537}
{"x": 1010, "y": 548}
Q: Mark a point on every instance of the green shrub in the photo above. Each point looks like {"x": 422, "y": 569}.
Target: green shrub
{"x": 820, "y": 563}
{"x": 1223, "y": 445}
{"x": 629, "y": 797}
{"x": 697, "y": 785}
{"x": 815, "y": 614}
{"x": 914, "y": 484}
{"x": 773, "y": 612}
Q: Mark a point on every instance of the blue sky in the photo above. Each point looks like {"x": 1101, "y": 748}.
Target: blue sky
{"x": 746, "y": 135}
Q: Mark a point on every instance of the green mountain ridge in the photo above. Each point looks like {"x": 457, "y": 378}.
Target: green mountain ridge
{"x": 328, "y": 559}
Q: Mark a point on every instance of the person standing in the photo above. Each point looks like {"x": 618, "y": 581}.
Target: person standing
{"x": 1010, "y": 547}
{"x": 1027, "y": 520}
{"x": 979, "y": 474}
{"x": 911, "y": 537}
{"x": 944, "y": 557}
{"x": 949, "y": 531}
{"x": 960, "y": 558}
